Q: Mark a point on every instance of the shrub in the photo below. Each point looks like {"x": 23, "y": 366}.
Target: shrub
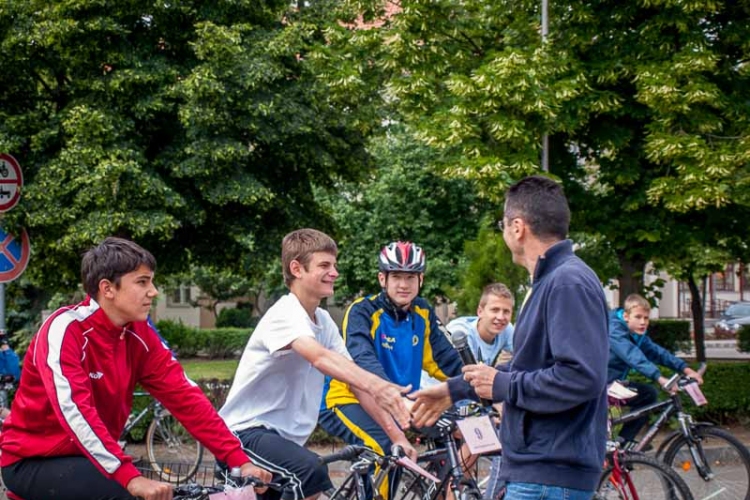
{"x": 237, "y": 317}
{"x": 672, "y": 334}
{"x": 182, "y": 338}
{"x": 743, "y": 338}
{"x": 224, "y": 342}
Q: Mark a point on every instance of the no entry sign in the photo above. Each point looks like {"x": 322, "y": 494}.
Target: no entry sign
{"x": 11, "y": 182}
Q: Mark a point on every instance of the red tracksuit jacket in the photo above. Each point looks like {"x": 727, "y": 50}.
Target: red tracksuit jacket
{"x": 76, "y": 393}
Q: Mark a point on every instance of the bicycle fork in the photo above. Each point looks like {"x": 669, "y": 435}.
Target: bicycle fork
{"x": 695, "y": 445}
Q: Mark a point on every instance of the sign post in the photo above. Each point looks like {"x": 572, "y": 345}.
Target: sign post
{"x": 14, "y": 252}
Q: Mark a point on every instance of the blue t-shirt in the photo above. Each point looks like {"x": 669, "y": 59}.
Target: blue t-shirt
{"x": 484, "y": 352}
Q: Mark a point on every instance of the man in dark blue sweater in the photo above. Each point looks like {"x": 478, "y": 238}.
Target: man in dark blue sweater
{"x": 554, "y": 390}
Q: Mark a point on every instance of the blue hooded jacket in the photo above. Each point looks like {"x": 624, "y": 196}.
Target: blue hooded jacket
{"x": 630, "y": 351}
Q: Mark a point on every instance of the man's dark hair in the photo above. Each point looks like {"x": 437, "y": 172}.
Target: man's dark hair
{"x": 110, "y": 260}
{"x": 542, "y": 205}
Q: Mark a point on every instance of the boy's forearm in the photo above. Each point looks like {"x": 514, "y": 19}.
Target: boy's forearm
{"x": 337, "y": 366}
{"x": 381, "y": 417}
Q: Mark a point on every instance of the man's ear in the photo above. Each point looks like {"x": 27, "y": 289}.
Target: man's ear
{"x": 295, "y": 267}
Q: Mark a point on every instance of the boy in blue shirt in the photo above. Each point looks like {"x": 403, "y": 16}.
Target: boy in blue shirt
{"x": 630, "y": 348}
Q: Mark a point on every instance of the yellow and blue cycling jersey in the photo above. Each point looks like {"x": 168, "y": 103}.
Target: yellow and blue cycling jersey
{"x": 393, "y": 344}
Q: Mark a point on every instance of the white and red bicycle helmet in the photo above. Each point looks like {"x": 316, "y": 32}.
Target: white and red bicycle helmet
{"x": 402, "y": 256}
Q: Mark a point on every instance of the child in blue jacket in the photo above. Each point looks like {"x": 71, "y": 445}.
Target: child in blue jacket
{"x": 630, "y": 348}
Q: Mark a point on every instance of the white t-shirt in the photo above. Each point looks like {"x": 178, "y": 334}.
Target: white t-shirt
{"x": 276, "y": 387}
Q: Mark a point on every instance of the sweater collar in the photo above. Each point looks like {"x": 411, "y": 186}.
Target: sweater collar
{"x": 101, "y": 321}
{"x": 552, "y": 258}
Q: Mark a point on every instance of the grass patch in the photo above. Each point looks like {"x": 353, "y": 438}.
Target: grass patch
{"x": 222, "y": 369}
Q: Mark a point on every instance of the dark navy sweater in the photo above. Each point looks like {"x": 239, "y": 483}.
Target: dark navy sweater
{"x": 554, "y": 428}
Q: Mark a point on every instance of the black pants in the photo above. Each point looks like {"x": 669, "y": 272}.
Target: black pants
{"x": 646, "y": 395}
{"x": 61, "y": 478}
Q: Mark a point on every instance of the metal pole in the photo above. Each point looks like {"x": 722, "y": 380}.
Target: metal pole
{"x": 545, "y": 137}
{"x": 2, "y": 307}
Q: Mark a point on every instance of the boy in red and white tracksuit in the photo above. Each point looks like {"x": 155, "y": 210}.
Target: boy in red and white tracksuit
{"x": 76, "y": 392}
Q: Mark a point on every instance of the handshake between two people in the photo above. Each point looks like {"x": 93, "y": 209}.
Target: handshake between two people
{"x": 422, "y": 408}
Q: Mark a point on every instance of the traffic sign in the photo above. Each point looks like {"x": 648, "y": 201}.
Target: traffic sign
{"x": 14, "y": 255}
{"x": 11, "y": 182}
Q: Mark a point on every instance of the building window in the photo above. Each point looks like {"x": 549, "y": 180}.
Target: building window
{"x": 724, "y": 281}
{"x": 180, "y": 296}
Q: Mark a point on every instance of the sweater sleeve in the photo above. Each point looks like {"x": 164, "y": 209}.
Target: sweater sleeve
{"x": 164, "y": 378}
{"x": 439, "y": 359}
{"x": 68, "y": 387}
{"x": 658, "y": 354}
{"x": 577, "y": 331}
{"x": 622, "y": 347}
{"x": 357, "y": 331}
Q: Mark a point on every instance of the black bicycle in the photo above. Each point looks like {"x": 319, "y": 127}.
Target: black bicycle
{"x": 369, "y": 470}
{"x": 442, "y": 459}
{"x": 720, "y": 459}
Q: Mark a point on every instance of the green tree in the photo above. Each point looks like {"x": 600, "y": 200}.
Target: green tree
{"x": 488, "y": 260}
{"x": 645, "y": 104}
{"x": 404, "y": 199}
{"x": 198, "y": 129}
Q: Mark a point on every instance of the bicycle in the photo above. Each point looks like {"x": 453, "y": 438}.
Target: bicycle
{"x": 629, "y": 475}
{"x": 354, "y": 486}
{"x": 232, "y": 487}
{"x": 172, "y": 452}
{"x": 725, "y": 472}
{"x": 442, "y": 460}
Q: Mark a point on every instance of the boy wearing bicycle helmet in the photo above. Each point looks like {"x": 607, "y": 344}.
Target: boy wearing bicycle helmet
{"x": 630, "y": 348}
{"x": 76, "y": 390}
{"x": 274, "y": 399}
{"x": 394, "y": 334}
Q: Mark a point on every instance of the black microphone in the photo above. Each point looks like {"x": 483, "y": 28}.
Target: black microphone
{"x": 461, "y": 344}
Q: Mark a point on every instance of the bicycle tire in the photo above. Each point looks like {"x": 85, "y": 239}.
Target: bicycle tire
{"x": 728, "y": 458}
{"x": 172, "y": 452}
{"x": 641, "y": 477}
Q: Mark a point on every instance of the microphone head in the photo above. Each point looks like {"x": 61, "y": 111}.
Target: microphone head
{"x": 459, "y": 339}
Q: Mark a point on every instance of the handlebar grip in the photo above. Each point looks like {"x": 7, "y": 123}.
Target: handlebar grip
{"x": 702, "y": 368}
{"x": 348, "y": 452}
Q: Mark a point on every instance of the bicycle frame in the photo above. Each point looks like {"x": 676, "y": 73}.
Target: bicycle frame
{"x": 669, "y": 408}
{"x": 455, "y": 474}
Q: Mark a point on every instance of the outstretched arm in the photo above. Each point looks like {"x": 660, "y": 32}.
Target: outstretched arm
{"x": 385, "y": 394}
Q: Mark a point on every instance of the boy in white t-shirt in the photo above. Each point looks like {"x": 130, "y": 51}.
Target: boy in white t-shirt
{"x": 274, "y": 399}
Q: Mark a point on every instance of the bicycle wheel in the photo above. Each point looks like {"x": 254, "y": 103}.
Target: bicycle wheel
{"x": 172, "y": 451}
{"x": 641, "y": 477}
{"x": 727, "y": 472}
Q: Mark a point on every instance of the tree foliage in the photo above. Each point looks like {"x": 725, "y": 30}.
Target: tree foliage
{"x": 197, "y": 129}
{"x": 403, "y": 199}
{"x": 488, "y": 260}
{"x": 646, "y": 104}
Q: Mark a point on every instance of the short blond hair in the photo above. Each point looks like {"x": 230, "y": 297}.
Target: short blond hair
{"x": 300, "y": 245}
{"x": 497, "y": 289}
{"x": 634, "y": 300}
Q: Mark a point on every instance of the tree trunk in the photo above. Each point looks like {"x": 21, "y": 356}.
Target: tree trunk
{"x": 631, "y": 277}
{"x": 696, "y": 306}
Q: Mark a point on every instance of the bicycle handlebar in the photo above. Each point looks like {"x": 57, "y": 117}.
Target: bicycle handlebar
{"x": 349, "y": 453}
{"x": 683, "y": 380}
